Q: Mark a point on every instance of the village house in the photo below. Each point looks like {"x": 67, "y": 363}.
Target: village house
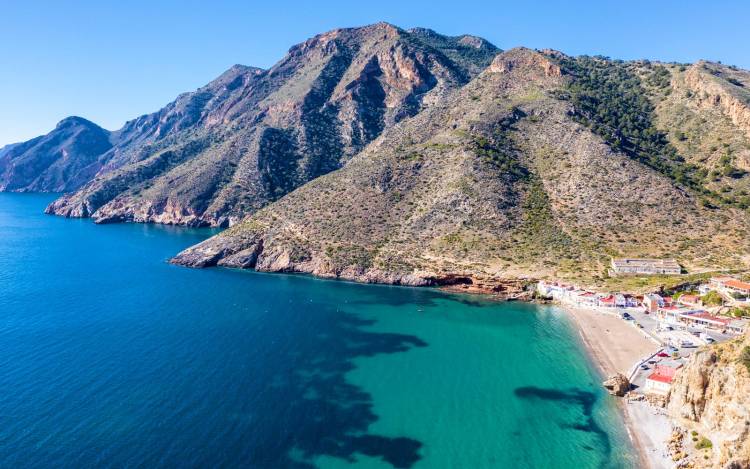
{"x": 705, "y": 320}
{"x": 675, "y": 314}
{"x": 718, "y": 282}
{"x": 621, "y": 301}
{"x": 652, "y": 302}
{"x": 700, "y": 319}
{"x": 737, "y": 326}
{"x": 554, "y": 290}
{"x": 607, "y": 301}
{"x": 645, "y": 266}
{"x": 737, "y": 286}
{"x": 730, "y": 285}
{"x": 690, "y": 300}
{"x": 585, "y": 298}
{"x": 660, "y": 381}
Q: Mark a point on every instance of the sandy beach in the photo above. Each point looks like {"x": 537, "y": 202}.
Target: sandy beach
{"x": 615, "y": 347}
{"x": 614, "y": 343}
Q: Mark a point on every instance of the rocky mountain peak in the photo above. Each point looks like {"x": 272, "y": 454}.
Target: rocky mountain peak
{"x": 250, "y": 136}
{"x": 75, "y": 121}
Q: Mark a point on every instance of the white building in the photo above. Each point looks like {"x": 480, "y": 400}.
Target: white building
{"x": 645, "y": 266}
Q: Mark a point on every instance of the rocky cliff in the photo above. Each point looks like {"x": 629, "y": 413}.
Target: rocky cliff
{"x": 715, "y": 85}
{"x": 710, "y": 397}
{"x": 251, "y": 136}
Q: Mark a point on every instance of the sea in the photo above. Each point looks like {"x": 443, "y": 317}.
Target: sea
{"x": 112, "y": 357}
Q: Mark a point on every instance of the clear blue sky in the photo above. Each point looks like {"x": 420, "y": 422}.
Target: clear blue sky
{"x": 112, "y": 61}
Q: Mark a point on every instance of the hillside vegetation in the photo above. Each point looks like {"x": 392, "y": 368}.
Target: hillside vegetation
{"x": 518, "y": 173}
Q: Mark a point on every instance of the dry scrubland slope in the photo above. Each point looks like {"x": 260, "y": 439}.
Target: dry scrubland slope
{"x": 254, "y": 135}
{"x": 524, "y": 170}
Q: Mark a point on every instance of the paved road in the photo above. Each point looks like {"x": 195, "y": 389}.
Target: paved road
{"x": 651, "y": 326}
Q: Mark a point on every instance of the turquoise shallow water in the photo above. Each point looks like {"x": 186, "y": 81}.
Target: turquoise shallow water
{"x": 109, "y": 356}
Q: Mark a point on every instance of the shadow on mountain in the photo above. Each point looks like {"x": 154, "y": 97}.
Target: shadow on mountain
{"x": 310, "y": 410}
{"x": 585, "y": 400}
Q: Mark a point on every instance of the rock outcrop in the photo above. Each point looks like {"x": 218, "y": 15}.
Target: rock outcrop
{"x": 617, "y": 385}
{"x": 722, "y": 88}
{"x": 710, "y": 398}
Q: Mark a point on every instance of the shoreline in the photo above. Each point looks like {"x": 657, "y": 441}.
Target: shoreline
{"x": 611, "y": 351}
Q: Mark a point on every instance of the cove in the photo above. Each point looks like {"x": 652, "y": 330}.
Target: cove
{"x": 110, "y": 356}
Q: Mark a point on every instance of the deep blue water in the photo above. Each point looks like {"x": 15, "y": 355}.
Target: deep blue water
{"x": 109, "y": 356}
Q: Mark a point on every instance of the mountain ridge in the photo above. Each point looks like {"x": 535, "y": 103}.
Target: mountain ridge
{"x": 303, "y": 117}
{"x": 550, "y": 210}
{"x": 349, "y": 106}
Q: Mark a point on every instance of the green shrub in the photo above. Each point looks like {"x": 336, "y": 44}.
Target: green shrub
{"x": 704, "y": 443}
{"x": 712, "y": 298}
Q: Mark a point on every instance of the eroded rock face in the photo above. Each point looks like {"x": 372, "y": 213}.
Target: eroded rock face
{"x": 711, "y": 395}
{"x": 617, "y": 385}
{"x": 712, "y": 90}
{"x": 523, "y": 58}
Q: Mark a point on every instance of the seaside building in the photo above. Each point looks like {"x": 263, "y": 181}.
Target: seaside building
{"x": 607, "y": 301}
{"x": 652, "y": 302}
{"x": 555, "y": 290}
{"x": 660, "y": 381}
{"x": 585, "y": 298}
{"x": 731, "y": 285}
{"x": 718, "y": 282}
{"x": 700, "y": 319}
{"x": 690, "y": 300}
{"x": 737, "y": 326}
{"x": 645, "y": 266}
{"x": 622, "y": 301}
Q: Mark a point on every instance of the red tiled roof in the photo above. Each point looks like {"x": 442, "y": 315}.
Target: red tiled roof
{"x": 734, "y": 283}
{"x": 660, "y": 377}
{"x": 722, "y": 279}
{"x": 710, "y": 317}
